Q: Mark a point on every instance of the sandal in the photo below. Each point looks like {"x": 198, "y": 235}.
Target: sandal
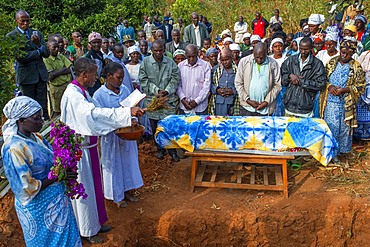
{"x": 122, "y": 204}
{"x": 296, "y": 166}
{"x": 105, "y": 228}
{"x": 94, "y": 239}
{"x": 131, "y": 198}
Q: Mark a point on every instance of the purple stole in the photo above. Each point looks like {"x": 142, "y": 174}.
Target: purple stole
{"x": 98, "y": 186}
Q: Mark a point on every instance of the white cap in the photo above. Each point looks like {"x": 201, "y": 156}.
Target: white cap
{"x": 316, "y": 19}
{"x": 234, "y": 47}
{"x": 255, "y": 37}
{"x": 246, "y": 35}
{"x": 228, "y": 39}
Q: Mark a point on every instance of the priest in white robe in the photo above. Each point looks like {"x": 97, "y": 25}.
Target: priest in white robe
{"x": 86, "y": 117}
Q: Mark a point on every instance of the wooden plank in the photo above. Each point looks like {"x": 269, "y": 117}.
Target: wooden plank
{"x": 253, "y": 174}
{"x": 239, "y": 186}
{"x": 215, "y": 154}
{"x": 214, "y": 174}
{"x": 251, "y": 160}
{"x": 239, "y": 174}
{"x": 200, "y": 173}
{"x": 192, "y": 176}
{"x": 278, "y": 177}
{"x": 265, "y": 175}
{"x": 285, "y": 178}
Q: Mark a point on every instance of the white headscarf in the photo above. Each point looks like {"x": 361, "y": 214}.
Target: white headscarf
{"x": 316, "y": 19}
{"x": 132, "y": 49}
{"x": 275, "y": 41}
{"x": 234, "y": 47}
{"x": 332, "y": 36}
{"x": 255, "y": 37}
{"x": 19, "y": 107}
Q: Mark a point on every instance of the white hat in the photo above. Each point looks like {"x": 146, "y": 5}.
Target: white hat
{"x": 132, "y": 49}
{"x": 276, "y": 40}
{"x": 246, "y": 35}
{"x": 228, "y": 39}
{"x": 255, "y": 37}
{"x": 332, "y": 36}
{"x": 316, "y": 19}
{"x": 234, "y": 47}
{"x": 227, "y": 32}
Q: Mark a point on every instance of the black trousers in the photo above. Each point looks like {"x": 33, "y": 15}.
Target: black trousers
{"x": 154, "y": 124}
{"x": 37, "y": 92}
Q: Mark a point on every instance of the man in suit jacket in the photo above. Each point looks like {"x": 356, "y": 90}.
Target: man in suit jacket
{"x": 167, "y": 29}
{"x": 175, "y": 43}
{"x": 196, "y": 32}
{"x": 31, "y": 72}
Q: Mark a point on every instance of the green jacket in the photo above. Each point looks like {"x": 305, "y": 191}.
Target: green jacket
{"x": 155, "y": 76}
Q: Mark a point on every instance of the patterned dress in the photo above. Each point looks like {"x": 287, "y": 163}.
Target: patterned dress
{"x": 46, "y": 216}
{"x": 334, "y": 111}
{"x": 339, "y": 112}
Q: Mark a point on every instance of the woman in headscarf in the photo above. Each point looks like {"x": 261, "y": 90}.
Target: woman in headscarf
{"x": 277, "y": 48}
{"x": 318, "y": 43}
{"x": 345, "y": 84}
{"x": 43, "y": 209}
{"x": 362, "y": 132}
{"x": 133, "y": 69}
{"x": 314, "y": 24}
{"x": 331, "y": 41}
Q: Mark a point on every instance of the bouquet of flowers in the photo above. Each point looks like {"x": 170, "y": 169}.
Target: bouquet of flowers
{"x": 67, "y": 152}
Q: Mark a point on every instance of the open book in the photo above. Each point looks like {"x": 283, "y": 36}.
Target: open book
{"x": 133, "y": 99}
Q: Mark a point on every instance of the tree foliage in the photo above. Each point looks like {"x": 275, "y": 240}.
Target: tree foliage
{"x": 85, "y": 16}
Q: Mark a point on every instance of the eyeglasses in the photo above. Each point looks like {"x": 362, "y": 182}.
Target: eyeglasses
{"x": 23, "y": 20}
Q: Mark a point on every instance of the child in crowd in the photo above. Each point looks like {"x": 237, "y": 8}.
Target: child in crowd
{"x": 58, "y": 67}
{"x": 120, "y": 164}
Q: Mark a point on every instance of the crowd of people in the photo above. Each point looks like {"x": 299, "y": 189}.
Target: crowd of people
{"x": 259, "y": 70}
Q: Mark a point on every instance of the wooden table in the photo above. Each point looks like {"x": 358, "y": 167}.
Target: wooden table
{"x": 276, "y": 163}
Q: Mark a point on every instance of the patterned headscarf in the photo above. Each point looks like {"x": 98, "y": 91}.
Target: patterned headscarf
{"x": 348, "y": 45}
{"x": 15, "y": 109}
{"x": 318, "y": 37}
{"x": 351, "y": 28}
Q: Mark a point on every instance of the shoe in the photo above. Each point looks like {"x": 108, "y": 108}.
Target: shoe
{"x": 94, "y": 239}
{"x": 175, "y": 158}
{"x": 122, "y": 204}
{"x": 131, "y": 198}
{"x": 181, "y": 153}
{"x": 160, "y": 155}
{"x": 336, "y": 160}
{"x": 105, "y": 228}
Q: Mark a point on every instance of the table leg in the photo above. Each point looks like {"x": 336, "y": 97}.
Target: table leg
{"x": 194, "y": 162}
{"x": 285, "y": 177}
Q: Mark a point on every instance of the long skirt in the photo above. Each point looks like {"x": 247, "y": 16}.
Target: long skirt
{"x": 334, "y": 117}
{"x": 48, "y": 219}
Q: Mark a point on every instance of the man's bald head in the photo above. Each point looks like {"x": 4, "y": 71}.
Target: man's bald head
{"x": 226, "y": 53}
{"x": 260, "y": 53}
{"x": 191, "y": 53}
{"x": 23, "y": 19}
{"x": 226, "y": 58}
{"x": 20, "y": 13}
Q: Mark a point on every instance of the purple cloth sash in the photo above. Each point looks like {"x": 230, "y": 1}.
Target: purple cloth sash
{"x": 98, "y": 186}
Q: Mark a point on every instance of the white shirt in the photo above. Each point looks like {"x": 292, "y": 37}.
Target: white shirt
{"x": 197, "y": 35}
{"x": 325, "y": 57}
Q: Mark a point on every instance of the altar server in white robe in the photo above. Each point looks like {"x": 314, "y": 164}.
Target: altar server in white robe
{"x": 120, "y": 164}
{"x": 86, "y": 117}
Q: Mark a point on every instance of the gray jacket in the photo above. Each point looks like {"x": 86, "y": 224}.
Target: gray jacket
{"x": 243, "y": 79}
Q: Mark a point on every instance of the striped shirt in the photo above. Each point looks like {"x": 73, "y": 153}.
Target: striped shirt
{"x": 195, "y": 83}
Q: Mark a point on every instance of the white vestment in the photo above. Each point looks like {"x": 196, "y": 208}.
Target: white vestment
{"x": 86, "y": 117}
